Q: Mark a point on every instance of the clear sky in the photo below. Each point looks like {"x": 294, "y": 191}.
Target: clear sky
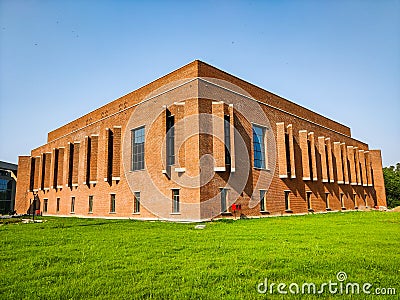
{"x": 61, "y": 59}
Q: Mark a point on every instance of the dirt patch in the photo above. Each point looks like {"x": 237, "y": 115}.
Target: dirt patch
{"x": 396, "y": 209}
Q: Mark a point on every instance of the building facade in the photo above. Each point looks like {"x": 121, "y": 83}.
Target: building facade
{"x": 8, "y": 182}
{"x": 199, "y": 144}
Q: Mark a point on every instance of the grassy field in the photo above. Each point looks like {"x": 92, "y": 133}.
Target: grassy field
{"x": 71, "y": 258}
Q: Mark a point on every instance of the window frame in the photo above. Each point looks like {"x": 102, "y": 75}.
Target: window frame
{"x": 224, "y": 200}
{"x": 263, "y": 201}
{"x": 72, "y": 210}
{"x": 45, "y": 205}
{"x": 261, "y": 143}
{"x": 136, "y": 202}
{"x": 175, "y": 201}
{"x": 287, "y": 201}
{"x": 113, "y": 201}
{"x": 90, "y": 200}
{"x": 138, "y": 157}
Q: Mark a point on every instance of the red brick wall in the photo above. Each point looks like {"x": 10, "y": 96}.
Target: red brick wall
{"x": 113, "y": 122}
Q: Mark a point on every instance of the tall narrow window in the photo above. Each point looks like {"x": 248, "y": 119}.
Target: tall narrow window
{"x": 112, "y": 203}
{"x": 136, "y": 203}
{"x": 287, "y": 201}
{"x": 90, "y": 204}
{"x": 288, "y": 165}
{"x": 259, "y": 148}
{"x": 45, "y": 205}
{"x": 138, "y": 149}
{"x": 175, "y": 201}
{"x": 263, "y": 200}
{"x": 57, "y": 204}
{"x": 72, "y": 205}
{"x": 309, "y": 204}
{"x": 365, "y": 200}
{"x": 170, "y": 139}
{"x": 327, "y": 201}
{"x": 342, "y": 200}
{"x": 227, "y": 137}
{"x": 355, "y": 201}
{"x": 224, "y": 206}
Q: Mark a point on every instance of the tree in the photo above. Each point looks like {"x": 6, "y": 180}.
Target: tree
{"x": 391, "y": 176}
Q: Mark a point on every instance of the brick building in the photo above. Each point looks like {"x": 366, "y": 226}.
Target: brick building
{"x": 193, "y": 145}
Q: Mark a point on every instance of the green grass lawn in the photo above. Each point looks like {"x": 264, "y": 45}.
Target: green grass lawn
{"x": 71, "y": 258}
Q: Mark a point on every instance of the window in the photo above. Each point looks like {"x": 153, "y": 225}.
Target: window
{"x": 309, "y": 205}
{"x": 175, "y": 201}
{"x": 112, "y": 203}
{"x": 57, "y": 204}
{"x": 259, "y": 147}
{"x": 224, "y": 206}
{"x": 327, "y": 201}
{"x": 227, "y": 137}
{"x": 355, "y": 201}
{"x": 45, "y": 205}
{"x": 365, "y": 199}
{"x": 287, "y": 201}
{"x": 288, "y": 165}
{"x": 136, "y": 203}
{"x": 342, "y": 200}
{"x": 90, "y": 204}
{"x": 170, "y": 139}
{"x": 72, "y": 205}
{"x": 138, "y": 149}
{"x": 263, "y": 200}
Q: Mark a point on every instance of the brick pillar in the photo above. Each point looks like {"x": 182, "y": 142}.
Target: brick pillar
{"x": 75, "y": 164}
{"x": 23, "y": 184}
{"x": 322, "y": 153}
{"x": 313, "y": 156}
{"x": 339, "y": 165}
{"x": 94, "y": 149}
{"x": 330, "y": 160}
{"x": 304, "y": 154}
{"x": 362, "y": 167}
{"x": 289, "y": 129}
{"x": 47, "y": 169}
{"x": 281, "y": 145}
{"x": 344, "y": 161}
{"x": 180, "y": 134}
{"x": 218, "y": 136}
{"x": 379, "y": 185}
{"x": 116, "y": 163}
{"x": 60, "y": 162}
{"x": 357, "y": 163}
{"x": 352, "y": 166}
{"x": 232, "y": 140}
{"x": 368, "y": 167}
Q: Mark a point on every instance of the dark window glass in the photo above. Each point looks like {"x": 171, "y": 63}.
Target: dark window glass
{"x": 136, "y": 204}
{"x": 90, "y": 204}
{"x": 170, "y": 139}
{"x": 287, "y": 200}
{"x": 175, "y": 201}
{"x": 73, "y": 204}
{"x": 224, "y": 206}
{"x": 112, "y": 203}
{"x": 258, "y": 147}
{"x": 138, "y": 149}
{"x": 227, "y": 137}
{"x": 262, "y": 200}
{"x": 45, "y": 205}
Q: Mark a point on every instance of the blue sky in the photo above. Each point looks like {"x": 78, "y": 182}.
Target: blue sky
{"x": 62, "y": 59}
